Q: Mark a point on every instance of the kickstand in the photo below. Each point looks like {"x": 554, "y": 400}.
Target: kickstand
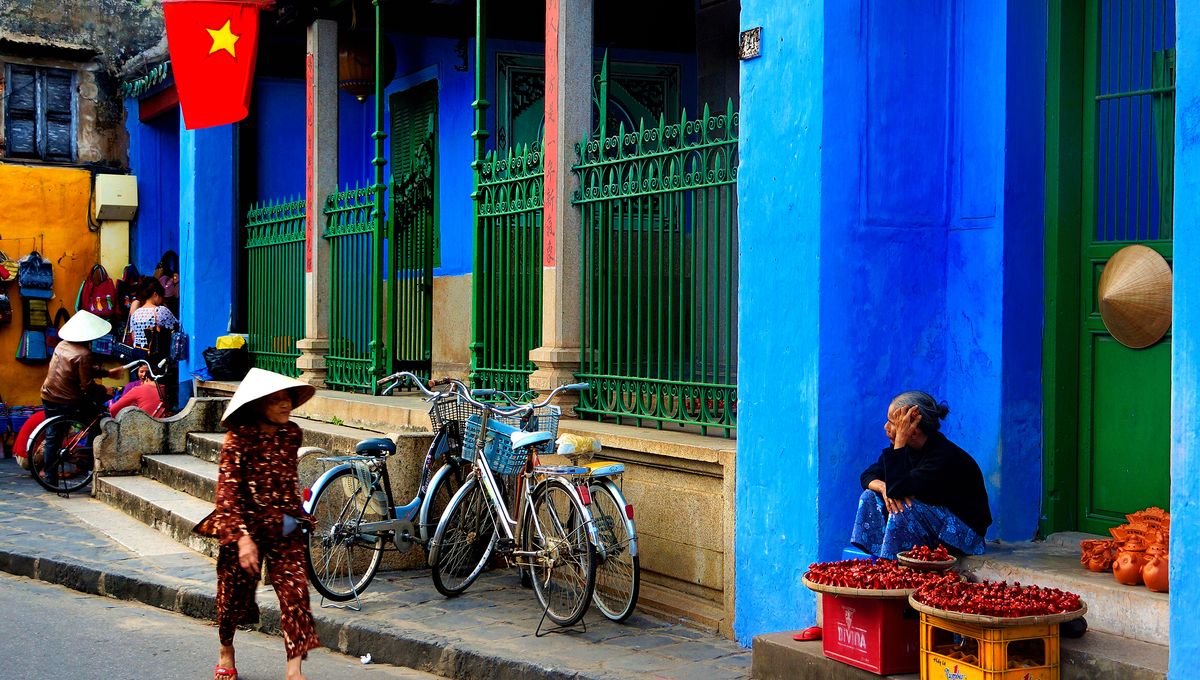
{"x": 356, "y": 607}
{"x": 556, "y": 629}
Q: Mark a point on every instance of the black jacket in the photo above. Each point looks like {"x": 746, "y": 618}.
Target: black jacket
{"x": 939, "y": 473}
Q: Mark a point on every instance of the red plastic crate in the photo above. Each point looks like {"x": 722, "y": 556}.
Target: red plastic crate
{"x": 881, "y": 635}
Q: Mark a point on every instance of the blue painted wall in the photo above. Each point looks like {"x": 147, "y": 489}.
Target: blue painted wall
{"x": 154, "y": 159}
{"x": 279, "y": 113}
{"x": 207, "y": 239}
{"x": 1185, "y": 351}
{"x": 926, "y": 248}
{"x": 779, "y": 196}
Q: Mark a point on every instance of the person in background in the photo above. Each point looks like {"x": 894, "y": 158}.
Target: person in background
{"x": 167, "y": 273}
{"x": 258, "y": 514}
{"x": 151, "y": 313}
{"x": 143, "y": 394}
{"x": 924, "y": 489}
{"x": 70, "y": 387}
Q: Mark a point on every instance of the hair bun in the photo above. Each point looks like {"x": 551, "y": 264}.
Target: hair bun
{"x": 943, "y": 410}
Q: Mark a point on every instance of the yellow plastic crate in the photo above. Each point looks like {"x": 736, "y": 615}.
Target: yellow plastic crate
{"x": 954, "y": 650}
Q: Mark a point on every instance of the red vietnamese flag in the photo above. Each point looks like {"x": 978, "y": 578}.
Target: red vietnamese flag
{"x": 213, "y": 44}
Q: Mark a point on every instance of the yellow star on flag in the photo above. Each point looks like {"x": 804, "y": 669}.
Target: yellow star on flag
{"x": 223, "y": 39}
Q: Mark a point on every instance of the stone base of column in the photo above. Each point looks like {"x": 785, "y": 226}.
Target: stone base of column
{"x": 556, "y": 366}
{"x": 311, "y": 361}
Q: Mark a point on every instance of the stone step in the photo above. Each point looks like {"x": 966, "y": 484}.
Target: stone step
{"x": 185, "y": 473}
{"x": 1129, "y": 611}
{"x": 333, "y": 438}
{"x": 1095, "y": 656}
{"x": 170, "y": 511}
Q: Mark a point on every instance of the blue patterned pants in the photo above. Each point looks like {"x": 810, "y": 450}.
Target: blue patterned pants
{"x": 884, "y": 535}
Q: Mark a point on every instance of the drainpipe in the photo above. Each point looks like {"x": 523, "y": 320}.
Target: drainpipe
{"x": 378, "y": 257}
{"x": 480, "y": 135}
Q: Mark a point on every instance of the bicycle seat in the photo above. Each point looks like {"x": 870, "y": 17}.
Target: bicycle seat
{"x": 520, "y": 439}
{"x": 377, "y": 446}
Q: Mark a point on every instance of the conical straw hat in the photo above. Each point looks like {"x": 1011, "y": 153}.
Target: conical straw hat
{"x": 259, "y": 383}
{"x": 84, "y": 327}
{"x": 1135, "y": 296}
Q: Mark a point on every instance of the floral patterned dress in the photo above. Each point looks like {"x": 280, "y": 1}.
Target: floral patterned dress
{"x": 258, "y": 484}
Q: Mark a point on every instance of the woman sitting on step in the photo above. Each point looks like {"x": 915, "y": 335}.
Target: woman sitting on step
{"x": 258, "y": 514}
{"x": 923, "y": 490}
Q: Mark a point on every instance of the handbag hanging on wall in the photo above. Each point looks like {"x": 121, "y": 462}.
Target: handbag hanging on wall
{"x": 35, "y": 307}
{"x": 98, "y": 294}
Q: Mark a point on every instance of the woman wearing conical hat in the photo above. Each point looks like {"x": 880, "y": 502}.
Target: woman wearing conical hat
{"x": 258, "y": 512}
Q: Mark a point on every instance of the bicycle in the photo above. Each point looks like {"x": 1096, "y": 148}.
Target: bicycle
{"x": 553, "y": 525}
{"x": 72, "y": 463}
{"x": 618, "y": 569}
{"x": 354, "y": 510}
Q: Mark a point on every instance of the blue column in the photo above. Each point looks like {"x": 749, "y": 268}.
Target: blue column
{"x": 1185, "y": 350}
{"x": 779, "y": 199}
{"x": 207, "y": 238}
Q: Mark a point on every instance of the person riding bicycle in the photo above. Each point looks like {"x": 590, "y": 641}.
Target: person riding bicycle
{"x": 70, "y": 387}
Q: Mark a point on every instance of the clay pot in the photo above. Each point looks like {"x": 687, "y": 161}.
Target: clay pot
{"x": 1097, "y": 554}
{"x": 1128, "y": 567}
{"x": 1156, "y": 573}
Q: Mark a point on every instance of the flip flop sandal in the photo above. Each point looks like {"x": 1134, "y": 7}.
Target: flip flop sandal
{"x": 223, "y": 673}
{"x": 808, "y": 634}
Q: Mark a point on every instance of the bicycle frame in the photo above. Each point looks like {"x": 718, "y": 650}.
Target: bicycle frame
{"x": 399, "y": 516}
{"x": 487, "y": 478}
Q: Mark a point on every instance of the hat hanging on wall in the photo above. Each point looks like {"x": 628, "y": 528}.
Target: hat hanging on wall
{"x": 1135, "y": 296}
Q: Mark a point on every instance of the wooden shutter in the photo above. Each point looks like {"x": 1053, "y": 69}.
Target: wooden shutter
{"x": 414, "y": 116}
{"x": 20, "y": 115}
{"x": 59, "y": 129}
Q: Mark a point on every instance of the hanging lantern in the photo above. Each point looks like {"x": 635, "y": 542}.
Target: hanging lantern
{"x": 356, "y": 65}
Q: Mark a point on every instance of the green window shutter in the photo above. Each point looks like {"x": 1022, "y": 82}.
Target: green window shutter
{"x": 414, "y": 122}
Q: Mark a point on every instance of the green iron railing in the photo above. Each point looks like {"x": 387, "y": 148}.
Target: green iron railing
{"x": 354, "y": 327}
{"x": 508, "y": 274}
{"x": 275, "y": 248}
{"x": 411, "y": 292}
{"x": 659, "y": 257}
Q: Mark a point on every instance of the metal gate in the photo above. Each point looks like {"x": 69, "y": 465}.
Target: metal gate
{"x": 275, "y": 244}
{"x": 507, "y": 283}
{"x": 355, "y": 337}
{"x": 659, "y": 246}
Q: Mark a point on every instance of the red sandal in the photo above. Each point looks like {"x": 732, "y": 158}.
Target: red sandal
{"x": 223, "y": 673}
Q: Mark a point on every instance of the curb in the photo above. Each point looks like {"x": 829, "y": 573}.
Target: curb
{"x": 390, "y": 643}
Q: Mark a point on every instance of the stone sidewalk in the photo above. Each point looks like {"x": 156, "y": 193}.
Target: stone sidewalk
{"x": 487, "y": 633}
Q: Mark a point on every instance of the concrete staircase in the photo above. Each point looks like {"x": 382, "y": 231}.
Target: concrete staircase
{"x": 1128, "y": 627}
{"x": 174, "y": 491}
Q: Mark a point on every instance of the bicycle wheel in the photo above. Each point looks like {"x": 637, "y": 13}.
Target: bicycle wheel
{"x": 71, "y": 463}
{"x": 563, "y": 567}
{"x": 342, "y": 562}
{"x": 463, "y": 543}
{"x": 618, "y": 572}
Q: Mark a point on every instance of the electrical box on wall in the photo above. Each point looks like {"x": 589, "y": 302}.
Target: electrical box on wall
{"x": 116, "y": 197}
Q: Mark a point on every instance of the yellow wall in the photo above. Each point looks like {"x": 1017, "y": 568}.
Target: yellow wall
{"x": 50, "y": 205}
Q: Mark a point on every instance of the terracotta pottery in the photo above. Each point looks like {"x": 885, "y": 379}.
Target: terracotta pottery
{"x": 1128, "y": 567}
{"x": 1156, "y": 573}
{"x": 1097, "y": 554}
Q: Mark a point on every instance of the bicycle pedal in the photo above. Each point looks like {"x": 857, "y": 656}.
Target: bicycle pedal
{"x": 505, "y": 545}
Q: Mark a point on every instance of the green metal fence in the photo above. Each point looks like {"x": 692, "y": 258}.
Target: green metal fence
{"x": 411, "y": 292}
{"x": 275, "y": 248}
{"x": 659, "y": 257}
{"x": 508, "y": 280}
{"x": 355, "y": 342}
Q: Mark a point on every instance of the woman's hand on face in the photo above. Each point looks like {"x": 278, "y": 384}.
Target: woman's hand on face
{"x": 904, "y": 423}
{"x": 248, "y": 555}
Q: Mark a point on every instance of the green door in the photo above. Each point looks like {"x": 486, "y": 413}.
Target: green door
{"x": 1126, "y": 197}
{"x": 413, "y": 232}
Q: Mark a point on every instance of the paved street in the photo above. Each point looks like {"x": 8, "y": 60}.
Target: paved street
{"x": 487, "y": 633}
{"x": 51, "y": 632}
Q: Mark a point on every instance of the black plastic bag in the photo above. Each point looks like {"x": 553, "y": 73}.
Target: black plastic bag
{"x": 227, "y": 364}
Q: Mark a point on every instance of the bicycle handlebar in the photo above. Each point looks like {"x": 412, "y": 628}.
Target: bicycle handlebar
{"x": 424, "y": 386}
{"x": 517, "y": 411}
{"x": 157, "y": 376}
